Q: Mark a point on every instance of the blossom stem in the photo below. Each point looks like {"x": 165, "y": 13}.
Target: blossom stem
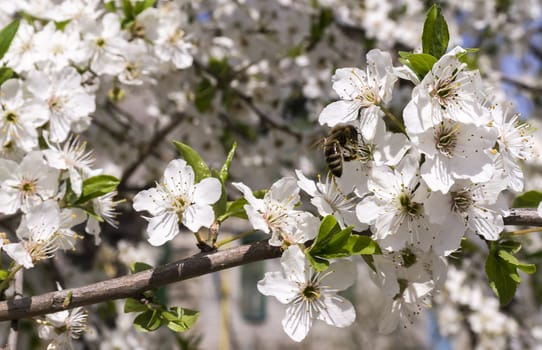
{"x": 234, "y": 238}
{"x": 393, "y": 118}
{"x": 525, "y": 231}
{"x": 5, "y": 283}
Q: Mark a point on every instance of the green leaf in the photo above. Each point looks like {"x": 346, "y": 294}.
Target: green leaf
{"x": 320, "y": 23}
{"x": 148, "y": 321}
{"x": 435, "y": 34}
{"x": 6, "y": 36}
{"x": 110, "y": 6}
{"x": 224, "y": 171}
{"x": 3, "y": 274}
{"x": 5, "y": 74}
{"x": 332, "y": 242}
{"x": 201, "y": 170}
{"x": 236, "y": 208}
{"x": 128, "y": 10}
{"x": 97, "y": 186}
{"x": 529, "y": 199}
{"x": 141, "y": 6}
{"x": 204, "y": 94}
{"x": 512, "y": 260}
{"x": 179, "y": 320}
{"x": 133, "y": 305}
{"x": 219, "y": 68}
{"x": 510, "y": 246}
{"x": 420, "y": 63}
{"x": 137, "y": 266}
{"x": 502, "y": 278}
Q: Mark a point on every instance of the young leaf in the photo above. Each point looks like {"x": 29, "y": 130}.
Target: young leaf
{"x": 201, "y": 170}
{"x": 435, "y": 34}
{"x": 179, "y": 320}
{"x": 512, "y": 260}
{"x": 528, "y": 199}
{"x": 420, "y": 63}
{"x": 148, "y": 321}
{"x": 204, "y": 94}
{"x": 502, "y": 278}
{"x": 133, "y": 305}
{"x": 137, "y": 266}
{"x": 236, "y": 207}
{"x": 6, "y": 36}
{"x": 5, "y": 74}
{"x": 332, "y": 242}
{"x": 224, "y": 171}
{"x": 141, "y": 6}
{"x": 97, "y": 186}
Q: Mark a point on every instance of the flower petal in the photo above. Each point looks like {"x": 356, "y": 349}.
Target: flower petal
{"x": 198, "y": 215}
{"x": 207, "y": 191}
{"x": 163, "y": 228}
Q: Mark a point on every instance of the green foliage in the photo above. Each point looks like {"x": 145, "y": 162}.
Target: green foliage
{"x": 204, "y": 94}
{"x": 6, "y": 36}
{"x": 501, "y": 269}
{"x": 97, "y": 186}
{"x": 148, "y": 321}
{"x": 236, "y": 208}
{"x": 110, "y": 6}
{"x": 137, "y": 266}
{"x": 319, "y": 23}
{"x": 179, "y": 320}
{"x": 420, "y": 63}
{"x": 529, "y": 199}
{"x": 5, "y": 74}
{"x": 332, "y": 242}
{"x": 435, "y": 34}
{"x": 152, "y": 316}
{"x": 224, "y": 171}
{"x": 201, "y": 170}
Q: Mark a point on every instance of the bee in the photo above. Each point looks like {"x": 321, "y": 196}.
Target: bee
{"x": 341, "y": 145}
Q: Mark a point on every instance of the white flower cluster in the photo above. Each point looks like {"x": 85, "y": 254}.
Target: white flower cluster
{"x": 57, "y": 69}
{"x": 419, "y": 192}
{"x": 61, "y": 53}
{"x": 480, "y": 313}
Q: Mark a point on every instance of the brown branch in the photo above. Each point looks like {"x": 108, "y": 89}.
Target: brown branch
{"x": 523, "y": 217}
{"x": 197, "y": 265}
{"x": 134, "y": 285}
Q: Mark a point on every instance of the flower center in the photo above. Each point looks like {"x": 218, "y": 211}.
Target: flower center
{"x": 311, "y": 292}
{"x": 28, "y": 186}
{"x": 408, "y": 206}
{"x": 461, "y": 201}
{"x": 55, "y": 104}
{"x": 11, "y": 117}
{"x": 446, "y": 138}
{"x": 444, "y": 90}
{"x": 409, "y": 258}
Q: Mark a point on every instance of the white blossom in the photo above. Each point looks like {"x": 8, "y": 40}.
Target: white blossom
{"x": 178, "y": 199}
{"x": 275, "y": 213}
{"x": 361, "y": 93}
{"x": 310, "y": 295}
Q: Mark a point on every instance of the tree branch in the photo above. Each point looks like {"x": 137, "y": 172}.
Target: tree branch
{"x": 194, "y": 266}
{"x": 135, "y": 284}
{"x": 523, "y": 217}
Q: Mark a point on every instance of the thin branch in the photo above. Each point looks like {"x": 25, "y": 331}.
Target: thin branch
{"x": 150, "y": 147}
{"x": 13, "y": 337}
{"x": 523, "y": 217}
{"x": 522, "y": 84}
{"x": 134, "y": 285}
{"x": 197, "y": 265}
